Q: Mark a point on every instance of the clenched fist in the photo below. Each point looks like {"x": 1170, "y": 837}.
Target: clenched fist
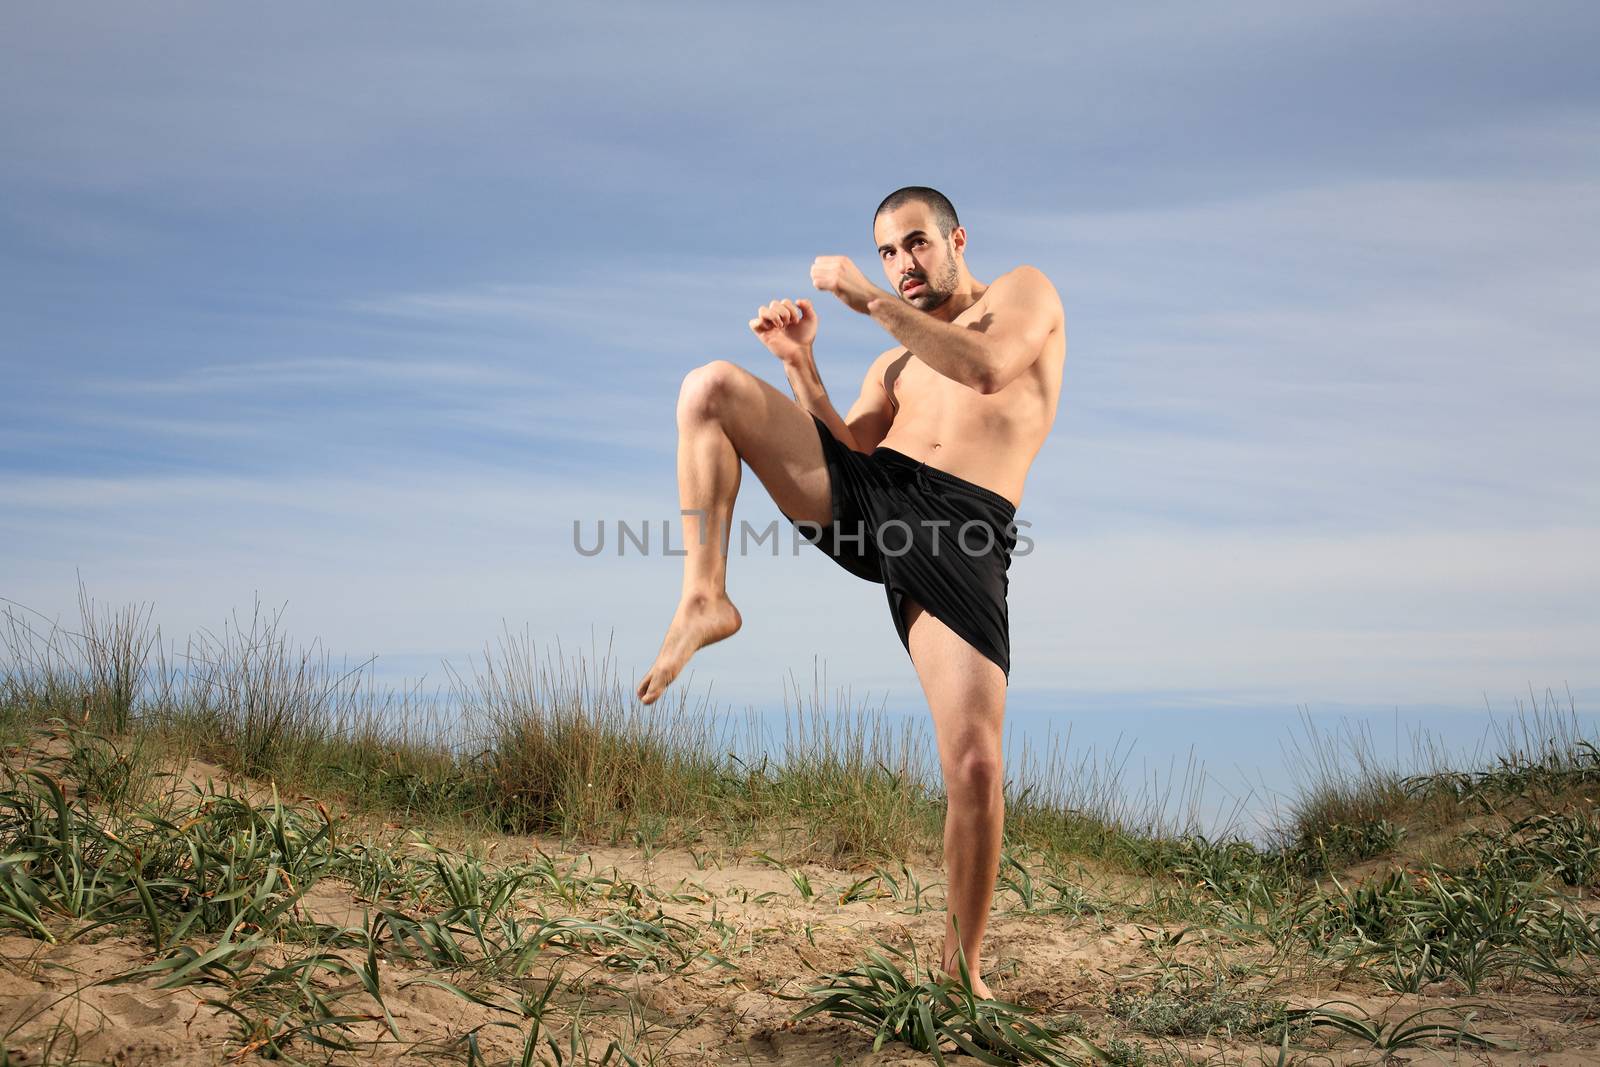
{"x": 839, "y": 276}
{"x": 787, "y": 328}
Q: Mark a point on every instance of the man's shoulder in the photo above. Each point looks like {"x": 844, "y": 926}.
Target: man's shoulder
{"x": 1027, "y": 285}
{"x": 1027, "y": 278}
{"x": 887, "y": 356}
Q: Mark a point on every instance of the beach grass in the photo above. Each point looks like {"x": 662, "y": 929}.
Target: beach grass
{"x": 322, "y": 866}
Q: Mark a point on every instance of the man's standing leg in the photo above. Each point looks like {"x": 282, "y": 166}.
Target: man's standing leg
{"x": 966, "y": 692}
{"x": 725, "y": 415}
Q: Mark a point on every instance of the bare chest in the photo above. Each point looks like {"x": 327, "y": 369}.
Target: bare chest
{"x": 921, "y": 394}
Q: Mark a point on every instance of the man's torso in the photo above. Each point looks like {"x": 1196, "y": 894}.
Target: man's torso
{"x": 988, "y": 440}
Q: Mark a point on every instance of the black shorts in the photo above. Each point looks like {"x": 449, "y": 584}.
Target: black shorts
{"x": 924, "y": 533}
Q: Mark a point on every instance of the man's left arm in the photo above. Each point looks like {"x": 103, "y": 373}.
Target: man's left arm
{"x": 1021, "y": 308}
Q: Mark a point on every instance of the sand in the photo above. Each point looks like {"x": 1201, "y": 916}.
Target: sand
{"x": 1055, "y": 964}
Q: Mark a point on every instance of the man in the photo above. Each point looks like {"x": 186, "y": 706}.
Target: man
{"x": 917, "y": 488}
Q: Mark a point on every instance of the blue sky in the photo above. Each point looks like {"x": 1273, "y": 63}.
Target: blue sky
{"x": 359, "y": 308}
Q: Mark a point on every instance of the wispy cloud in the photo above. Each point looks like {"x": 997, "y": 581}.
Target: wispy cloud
{"x": 368, "y": 322}
{"x": 696, "y": 305}
{"x": 1345, "y": 355}
{"x": 298, "y": 374}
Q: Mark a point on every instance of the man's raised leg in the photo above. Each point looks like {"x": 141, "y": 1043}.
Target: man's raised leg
{"x": 966, "y": 693}
{"x": 725, "y": 415}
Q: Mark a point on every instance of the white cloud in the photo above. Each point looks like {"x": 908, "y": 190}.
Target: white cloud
{"x": 433, "y": 564}
{"x": 1327, "y": 435}
{"x": 1370, "y": 355}
{"x": 692, "y": 305}
{"x": 1343, "y": 489}
{"x": 298, "y": 373}
{"x": 1360, "y": 617}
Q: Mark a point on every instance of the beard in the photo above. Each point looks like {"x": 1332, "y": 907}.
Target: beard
{"x": 935, "y": 291}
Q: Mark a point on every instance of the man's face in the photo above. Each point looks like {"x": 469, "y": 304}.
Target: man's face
{"x": 919, "y": 262}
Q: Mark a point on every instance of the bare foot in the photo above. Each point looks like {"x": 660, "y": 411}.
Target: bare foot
{"x": 980, "y": 988}
{"x": 699, "y": 621}
{"x": 952, "y": 968}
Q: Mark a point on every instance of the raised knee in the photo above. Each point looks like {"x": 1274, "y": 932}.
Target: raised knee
{"x": 706, "y": 388}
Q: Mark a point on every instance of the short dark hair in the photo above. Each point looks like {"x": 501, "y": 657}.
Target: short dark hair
{"x": 944, "y": 213}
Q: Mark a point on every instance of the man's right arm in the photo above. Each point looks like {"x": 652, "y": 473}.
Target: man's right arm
{"x": 870, "y": 416}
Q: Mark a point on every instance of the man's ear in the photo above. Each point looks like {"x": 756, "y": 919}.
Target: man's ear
{"x": 958, "y": 239}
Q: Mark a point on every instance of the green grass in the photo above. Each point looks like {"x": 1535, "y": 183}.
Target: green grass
{"x": 1428, "y": 880}
{"x": 938, "y": 1014}
{"x": 538, "y": 743}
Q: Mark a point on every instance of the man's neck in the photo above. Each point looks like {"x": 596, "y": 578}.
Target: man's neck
{"x": 967, "y": 294}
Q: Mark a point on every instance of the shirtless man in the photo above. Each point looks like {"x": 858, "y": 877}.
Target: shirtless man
{"x": 943, "y": 434}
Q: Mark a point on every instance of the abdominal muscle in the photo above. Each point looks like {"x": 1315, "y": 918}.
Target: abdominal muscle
{"x": 987, "y": 440}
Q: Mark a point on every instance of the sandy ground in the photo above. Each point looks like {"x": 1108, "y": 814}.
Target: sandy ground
{"x": 780, "y": 942}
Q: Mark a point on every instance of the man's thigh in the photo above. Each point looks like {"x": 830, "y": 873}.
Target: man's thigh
{"x": 778, "y": 439}
{"x": 966, "y": 690}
